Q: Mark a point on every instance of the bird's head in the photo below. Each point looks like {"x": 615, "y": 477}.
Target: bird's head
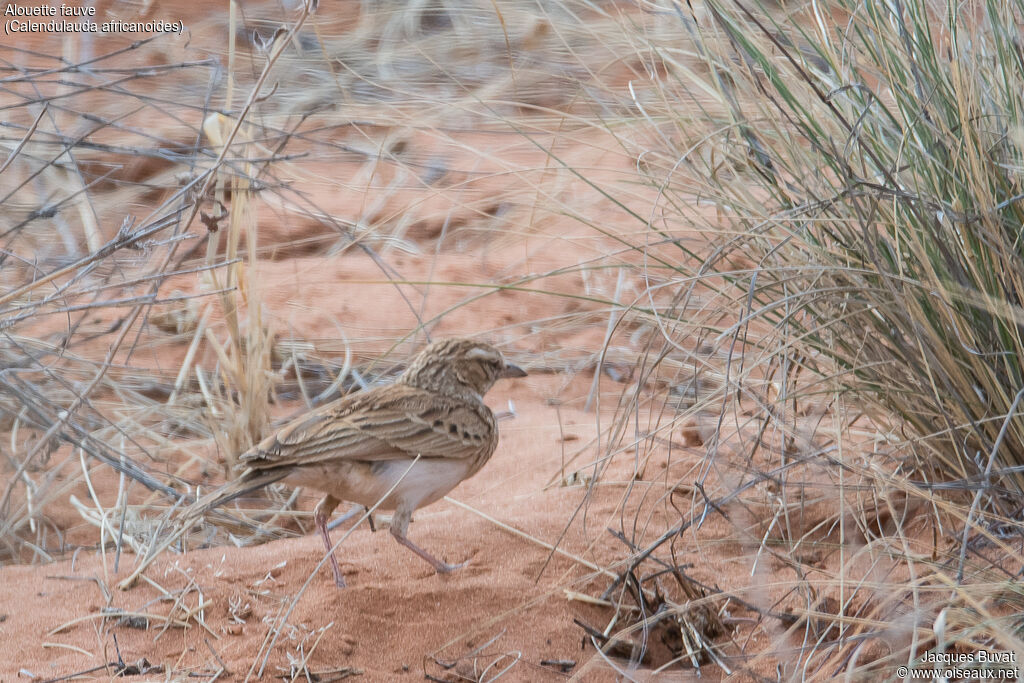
{"x": 458, "y": 367}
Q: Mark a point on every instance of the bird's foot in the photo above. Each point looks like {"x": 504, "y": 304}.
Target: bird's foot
{"x": 439, "y": 566}
{"x": 445, "y": 568}
{"x": 339, "y": 580}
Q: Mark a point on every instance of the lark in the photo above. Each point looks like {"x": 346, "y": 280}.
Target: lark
{"x": 404, "y": 445}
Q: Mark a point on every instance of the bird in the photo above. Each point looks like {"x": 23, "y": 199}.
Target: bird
{"x": 399, "y": 446}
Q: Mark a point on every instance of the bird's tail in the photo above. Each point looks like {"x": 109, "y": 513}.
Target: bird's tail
{"x": 251, "y": 480}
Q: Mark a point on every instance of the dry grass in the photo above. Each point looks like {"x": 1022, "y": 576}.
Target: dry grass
{"x": 814, "y": 283}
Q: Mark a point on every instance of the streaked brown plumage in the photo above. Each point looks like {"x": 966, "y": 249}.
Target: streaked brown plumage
{"x": 363, "y": 445}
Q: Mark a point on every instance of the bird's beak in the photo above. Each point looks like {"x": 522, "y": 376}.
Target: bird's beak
{"x": 512, "y": 371}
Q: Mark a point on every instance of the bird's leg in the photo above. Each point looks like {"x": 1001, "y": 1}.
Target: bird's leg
{"x": 399, "y": 525}
{"x": 321, "y": 514}
{"x": 373, "y": 527}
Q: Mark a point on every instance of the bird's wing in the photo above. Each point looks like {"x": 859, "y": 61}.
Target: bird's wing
{"x": 385, "y": 423}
